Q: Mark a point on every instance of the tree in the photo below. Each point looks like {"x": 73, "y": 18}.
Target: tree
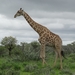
{"x": 35, "y": 44}
{"x": 23, "y": 44}
{"x": 9, "y": 43}
{"x": 2, "y": 51}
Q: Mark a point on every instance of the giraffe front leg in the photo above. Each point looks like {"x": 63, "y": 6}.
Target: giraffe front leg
{"x": 42, "y": 53}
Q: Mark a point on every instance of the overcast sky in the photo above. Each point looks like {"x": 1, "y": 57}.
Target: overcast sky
{"x": 57, "y": 15}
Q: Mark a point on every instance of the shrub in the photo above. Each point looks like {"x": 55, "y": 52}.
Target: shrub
{"x": 12, "y": 72}
{"x": 30, "y": 67}
{"x": 17, "y": 67}
{"x": 0, "y": 72}
{"x": 2, "y": 66}
{"x": 66, "y": 72}
{"x": 24, "y": 63}
{"x": 2, "y": 51}
{"x": 44, "y": 71}
{"x": 5, "y": 66}
{"x": 72, "y": 65}
{"x": 72, "y": 55}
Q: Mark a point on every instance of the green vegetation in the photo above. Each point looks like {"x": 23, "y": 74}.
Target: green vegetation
{"x": 8, "y": 66}
{"x": 24, "y": 60}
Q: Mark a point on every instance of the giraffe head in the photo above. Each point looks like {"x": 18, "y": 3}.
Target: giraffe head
{"x": 19, "y": 13}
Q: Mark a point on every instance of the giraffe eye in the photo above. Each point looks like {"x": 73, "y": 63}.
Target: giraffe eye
{"x": 18, "y": 11}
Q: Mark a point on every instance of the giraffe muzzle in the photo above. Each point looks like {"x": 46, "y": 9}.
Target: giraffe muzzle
{"x": 14, "y": 16}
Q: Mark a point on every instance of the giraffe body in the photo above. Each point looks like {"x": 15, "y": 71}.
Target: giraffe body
{"x": 46, "y": 37}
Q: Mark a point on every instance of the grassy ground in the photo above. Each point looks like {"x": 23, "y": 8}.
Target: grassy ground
{"x": 9, "y": 66}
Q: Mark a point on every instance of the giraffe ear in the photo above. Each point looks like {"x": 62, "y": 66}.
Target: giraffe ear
{"x": 20, "y": 8}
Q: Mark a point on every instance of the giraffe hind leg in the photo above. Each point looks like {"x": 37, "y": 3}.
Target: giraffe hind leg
{"x": 60, "y": 57}
{"x": 56, "y": 57}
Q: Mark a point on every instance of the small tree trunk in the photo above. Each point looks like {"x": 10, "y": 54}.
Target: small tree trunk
{"x": 10, "y": 52}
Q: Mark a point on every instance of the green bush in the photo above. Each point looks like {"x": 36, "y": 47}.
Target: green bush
{"x": 72, "y": 55}
{"x": 12, "y": 72}
{"x": 17, "y": 67}
{"x": 1, "y": 72}
{"x": 66, "y": 72}
{"x": 2, "y": 51}
{"x": 44, "y": 71}
{"x": 30, "y": 67}
{"x": 3, "y": 66}
{"x": 24, "y": 63}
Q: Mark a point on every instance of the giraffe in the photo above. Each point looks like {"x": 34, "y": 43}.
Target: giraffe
{"x": 46, "y": 37}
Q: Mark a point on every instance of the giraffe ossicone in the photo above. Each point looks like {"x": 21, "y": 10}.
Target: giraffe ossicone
{"x": 46, "y": 37}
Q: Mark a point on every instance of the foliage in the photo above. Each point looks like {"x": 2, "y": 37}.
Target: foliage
{"x": 33, "y": 67}
{"x": 17, "y": 67}
{"x": 69, "y": 48}
{"x": 66, "y": 72}
{"x": 9, "y": 43}
{"x": 12, "y": 72}
{"x": 44, "y": 71}
{"x": 9, "y": 72}
{"x": 26, "y": 52}
{"x": 35, "y": 44}
{"x": 25, "y": 60}
{"x": 8, "y": 40}
{"x": 2, "y": 51}
{"x": 30, "y": 67}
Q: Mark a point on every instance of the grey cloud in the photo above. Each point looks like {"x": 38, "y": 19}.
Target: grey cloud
{"x": 54, "y": 5}
{"x": 65, "y": 33}
{"x": 9, "y": 7}
{"x": 45, "y": 12}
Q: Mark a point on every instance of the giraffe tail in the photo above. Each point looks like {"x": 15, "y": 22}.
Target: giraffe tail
{"x": 62, "y": 53}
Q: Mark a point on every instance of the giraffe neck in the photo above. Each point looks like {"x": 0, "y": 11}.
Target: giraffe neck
{"x": 32, "y": 23}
